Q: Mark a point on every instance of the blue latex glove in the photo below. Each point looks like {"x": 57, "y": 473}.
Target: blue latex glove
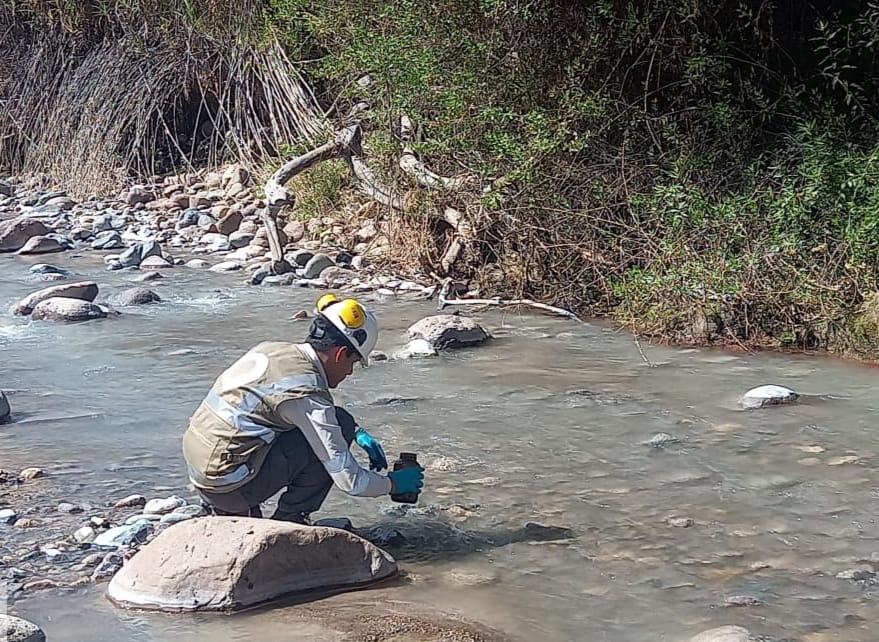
{"x": 377, "y": 459}
{"x": 407, "y": 480}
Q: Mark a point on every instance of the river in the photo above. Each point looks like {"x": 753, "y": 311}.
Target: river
{"x": 548, "y": 423}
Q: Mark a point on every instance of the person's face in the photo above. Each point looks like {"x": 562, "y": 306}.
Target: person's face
{"x": 339, "y": 365}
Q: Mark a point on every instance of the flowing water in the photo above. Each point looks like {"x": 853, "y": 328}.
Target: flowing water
{"x": 547, "y": 424}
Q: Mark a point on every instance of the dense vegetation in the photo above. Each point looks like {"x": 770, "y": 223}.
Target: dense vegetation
{"x": 701, "y": 170}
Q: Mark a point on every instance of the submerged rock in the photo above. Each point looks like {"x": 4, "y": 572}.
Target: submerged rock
{"x": 724, "y": 634}
{"x": 445, "y": 331}
{"x": 770, "y": 395}
{"x": 14, "y": 629}
{"x": 229, "y": 563}
{"x": 135, "y": 296}
{"x": 83, "y": 290}
{"x": 66, "y": 309}
{"x": 124, "y": 535}
{"x": 417, "y": 348}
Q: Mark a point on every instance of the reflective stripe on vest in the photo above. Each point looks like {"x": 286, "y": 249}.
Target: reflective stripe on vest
{"x": 238, "y": 416}
{"x": 237, "y": 475}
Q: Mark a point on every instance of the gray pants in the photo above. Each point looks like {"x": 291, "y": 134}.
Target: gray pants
{"x": 290, "y": 464}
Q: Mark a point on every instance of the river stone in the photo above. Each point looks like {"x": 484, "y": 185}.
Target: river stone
{"x": 5, "y": 410}
{"x": 197, "y": 264}
{"x": 131, "y": 500}
{"x": 148, "y": 276}
{"x": 66, "y": 309}
{"x": 770, "y": 395}
{"x": 226, "y": 266}
{"x": 300, "y": 257}
{"x": 123, "y": 535}
{"x": 724, "y": 634}
{"x": 7, "y": 516}
{"x": 229, "y": 223}
{"x": 229, "y": 563}
{"x": 14, "y": 629}
{"x": 16, "y": 232}
{"x": 84, "y": 534}
{"x": 107, "y": 240}
{"x": 42, "y": 245}
{"x": 317, "y": 264}
{"x": 45, "y": 268}
{"x": 135, "y": 296}
{"x": 445, "y": 331}
{"x": 6, "y": 189}
{"x": 239, "y": 240}
{"x": 163, "y": 505}
{"x": 417, "y": 348}
{"x": 83, "y": 290}
{"x": 155, "y": 262}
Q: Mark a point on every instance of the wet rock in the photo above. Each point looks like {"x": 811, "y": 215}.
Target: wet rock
{"x": 239, "y": 240}
{"x": 148, "y": 276}
{"x": 242, "y": 562}
{"x": 45, "y": 268}
{"x": 131, "y": 501}
{"x": 26, "y": 522}
{"x": 31, "y": 473}
{"x": 40, "y": 585}
{"x": 770, "y": 395}
{"x": 155, "y": 262}
{"x": 417, "y": 348}
{"x": 259, "y": 276}
{"x": 279, "y": 279}
{"x": 163, "y": 505}
{"x": 860, "y": 574}
{"x": 383, "y": 536}
{"x": 741, "y": 600}
{"x": 42, "y": 245}
{"x": 90, "y": 561}
{"x": 138, "y": 519}
{"x": 16, "y": 232}
{"x": 188, "y": 218}
{"x": 80, "y": 234}
{"x": 14, "y": 629}
{"x": 724, "y": 634}
{"x": 83, "y": 290}
{"x": 7, "y": 516}
{"x": 67, "y": 309}
{"x": 67, "y": 507}
{"x": 661, "y": 440}
{"x": 197, "y": 264}
{"x": 5, "y": 409}
{"x": 680, "y": 522}
{"x": 6, "y": 189}
{"x": 226, "y": 266}
{"x": 445, "y": 331}
{"x": 317, "y": 264}
{"x": 135, "y": 296}
{"x": 120, "y": 536}
{"x": 107, "y": 240}
{"x": 300, "y": 257}
{"x": 108, "y": 567}
{"x": 335, "y": 522}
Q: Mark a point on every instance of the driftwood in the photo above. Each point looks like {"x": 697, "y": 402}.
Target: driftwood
{"x": 347, "y": 144}
{"x": 442, "y": 302}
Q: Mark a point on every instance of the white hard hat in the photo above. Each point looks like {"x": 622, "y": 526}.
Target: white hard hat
{"x": 354, "y": 321}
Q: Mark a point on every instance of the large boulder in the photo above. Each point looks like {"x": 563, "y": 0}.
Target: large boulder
{"x": 229, "y": 563}
{"x": 42, "y": 245}
{"x": 14, "y": 629}
{"x": 84, "y": 290}
{"x": 445, "y": 331}
{"x": 724, "y": 634}
{"x": 65, "y": 309}
{"x": 16, "y": 232}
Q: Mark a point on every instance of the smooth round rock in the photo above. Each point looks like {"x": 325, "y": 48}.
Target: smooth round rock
{"x": 135, "y": 296}
{"x": 446, "y": 331}
{"x": 724, "y": 634}
{"x": 770, "y": 395}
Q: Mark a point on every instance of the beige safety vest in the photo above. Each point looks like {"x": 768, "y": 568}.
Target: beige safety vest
{"x": 232, "y": 430}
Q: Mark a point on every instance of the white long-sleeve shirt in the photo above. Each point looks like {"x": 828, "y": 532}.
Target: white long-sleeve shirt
{"x": 316, "y": 418}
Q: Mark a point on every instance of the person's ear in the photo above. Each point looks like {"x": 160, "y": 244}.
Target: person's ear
{"x": 339, "y": 354}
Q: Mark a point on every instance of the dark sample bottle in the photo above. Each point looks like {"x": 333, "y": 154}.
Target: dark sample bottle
{"x": 406, "y": 460}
